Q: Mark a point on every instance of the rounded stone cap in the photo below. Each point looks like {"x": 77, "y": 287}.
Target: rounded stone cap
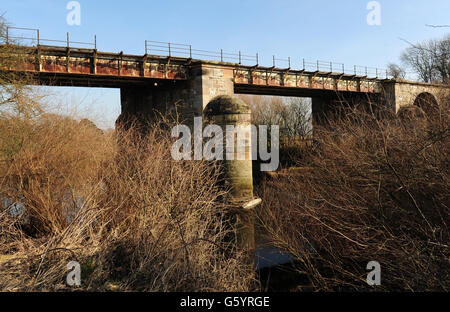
{"x": 225, "y": 104}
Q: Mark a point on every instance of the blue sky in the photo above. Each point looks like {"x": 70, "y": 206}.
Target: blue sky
{"x": 320, "y": 29}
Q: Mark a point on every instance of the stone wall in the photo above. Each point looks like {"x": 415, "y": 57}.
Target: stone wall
{"x": 399, "y": 94}
{"x": 186, "y": 98}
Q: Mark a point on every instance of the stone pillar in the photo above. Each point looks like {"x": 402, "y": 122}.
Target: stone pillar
{"x": 389, "y": 97}
{"x": 320, "y": 110}
{"x": 215, "y": 80}
{"x": 230, "y": 111}
{"x": 226, "y": 111}
{"x": 144, "y": 103}
{"x": 333, "y": 107}
{"x": 185, "y": 98}
{"x": 201, "y": 92}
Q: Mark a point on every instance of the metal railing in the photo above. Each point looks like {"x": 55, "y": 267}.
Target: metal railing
{"x": 333, "y": 67}
{"x": 36, "y": 40}
{"x": 185, "y": 50}
{"x": 169, "y": 49}
{"x": 284, "y": 61}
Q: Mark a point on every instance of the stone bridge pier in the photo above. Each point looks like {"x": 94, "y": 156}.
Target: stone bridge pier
{"x": 209, "y": 93}
{"x": 186, "y": 98}
{"x": 328, "y": 107}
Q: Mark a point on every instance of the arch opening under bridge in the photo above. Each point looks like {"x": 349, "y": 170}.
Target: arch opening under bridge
{"x": 426, "y": 101}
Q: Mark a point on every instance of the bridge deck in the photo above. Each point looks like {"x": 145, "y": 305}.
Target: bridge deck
{"x": 254, "y": 78}
{"x": 88, "y": 67}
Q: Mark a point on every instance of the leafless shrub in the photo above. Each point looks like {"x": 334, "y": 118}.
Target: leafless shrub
{"x": 131, "y": 216}
{"x": 292, "y": 115}
{"x": 115, "y": 202}
{"x": 373, "y": 189}
{"x": 396, "y": 71}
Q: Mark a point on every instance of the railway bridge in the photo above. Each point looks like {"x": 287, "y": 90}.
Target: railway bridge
{"x": 187, "y": 80}
{"x": 178, "y": 75}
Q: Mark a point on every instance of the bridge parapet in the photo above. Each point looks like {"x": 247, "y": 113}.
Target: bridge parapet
{"x": 195, "y": 82}
{"x": 62, "y": 65}
{"x": 264, "y": 76}
{"x": 65, "y": 63}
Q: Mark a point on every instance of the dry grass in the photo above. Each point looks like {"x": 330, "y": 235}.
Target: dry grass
{"x": 377, "y": 190}
{"x": 116, "y": 202}
{"x": 132, "y": 216}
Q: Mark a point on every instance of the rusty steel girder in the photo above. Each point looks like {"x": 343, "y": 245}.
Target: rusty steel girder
{"x": 67, "y": 63}
{"x": 89, "y": 67}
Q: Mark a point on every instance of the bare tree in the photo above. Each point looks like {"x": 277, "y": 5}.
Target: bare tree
{"x": 298, "y": 119}
{"x": 293, "y": 115}
{"x": 430, "y": 59}
{"x": 396, "y": 71}
{"x": 16, "y": 95}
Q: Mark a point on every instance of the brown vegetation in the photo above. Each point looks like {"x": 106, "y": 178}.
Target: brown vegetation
{"x": 116, "y": 202}
{"x": 377, "y": 189}
{"x": 373, "y": 189}
{"x": 130, "y": 216}
{"x": 292, "y": 115}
